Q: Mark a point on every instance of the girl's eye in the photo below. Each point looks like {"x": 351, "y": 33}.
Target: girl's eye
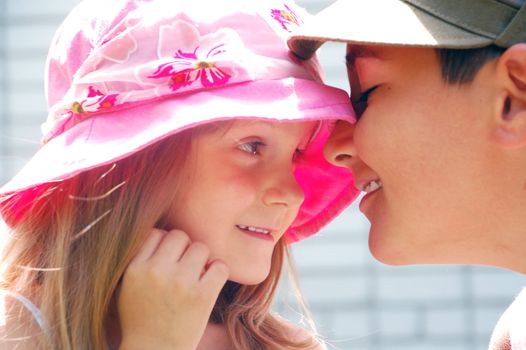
{"x": 251, "y": 147}
{"x": 297, "y": 154}
{"x": 361, "y": 103}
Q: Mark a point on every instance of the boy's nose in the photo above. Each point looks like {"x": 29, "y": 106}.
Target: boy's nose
{"x": 340, "y": 149}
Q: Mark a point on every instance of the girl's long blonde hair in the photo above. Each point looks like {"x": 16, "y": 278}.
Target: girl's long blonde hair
{"x": 69, "y": 251}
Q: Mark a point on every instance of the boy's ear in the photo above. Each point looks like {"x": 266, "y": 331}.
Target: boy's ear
{"x": 510, "y": 130}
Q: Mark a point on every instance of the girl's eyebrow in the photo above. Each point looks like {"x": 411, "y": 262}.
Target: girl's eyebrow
{"x": 244, "y": 126}
{"x": 249, "y": 124}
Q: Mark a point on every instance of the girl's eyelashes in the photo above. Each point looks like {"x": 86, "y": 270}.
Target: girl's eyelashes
{"x": 254, "y": 148}
{"x": 251, "y": 147}
{"x": 298, "y": 153}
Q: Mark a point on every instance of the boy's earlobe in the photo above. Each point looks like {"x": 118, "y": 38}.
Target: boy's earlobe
{"x": 510, "y": 131}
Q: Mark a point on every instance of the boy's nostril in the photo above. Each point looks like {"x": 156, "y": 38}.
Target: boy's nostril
{"x": 342, "y": 157}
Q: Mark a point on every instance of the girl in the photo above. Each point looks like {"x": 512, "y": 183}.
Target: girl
{"x": 181, "y": 154}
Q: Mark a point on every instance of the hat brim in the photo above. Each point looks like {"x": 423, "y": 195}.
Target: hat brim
{"x": 105, "y": 138}
{"x": 380, "y": 22}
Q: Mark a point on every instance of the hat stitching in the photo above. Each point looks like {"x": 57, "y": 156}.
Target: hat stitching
{"x": 431, "y": 10}
{"x": 512, "y": 33}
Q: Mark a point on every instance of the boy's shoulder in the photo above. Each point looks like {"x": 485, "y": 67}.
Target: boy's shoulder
{"x": 517, "y": 322}
{"x": 510, "y": 331}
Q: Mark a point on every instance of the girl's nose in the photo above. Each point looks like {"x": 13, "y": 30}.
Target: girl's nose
{"x": 284, "y": 190}
{"x": 340, "y": 149}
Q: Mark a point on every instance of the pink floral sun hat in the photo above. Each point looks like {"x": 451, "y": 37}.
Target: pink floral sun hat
{"x": 124, "y": 74}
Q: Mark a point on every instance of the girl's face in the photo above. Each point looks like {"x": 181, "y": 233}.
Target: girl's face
{"x": 239, "y": 194}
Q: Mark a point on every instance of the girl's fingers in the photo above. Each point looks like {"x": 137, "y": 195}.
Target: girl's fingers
{"x": 170, "y": 249}
{"x": 193, "y": 261}
{"x": 172, "y": 255}
{"x": 149, "y": 246}
{"x": 215, "y": 277}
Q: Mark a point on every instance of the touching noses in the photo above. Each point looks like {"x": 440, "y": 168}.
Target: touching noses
{"x": 283, "y": 189}
{"x": 340, "y": 149}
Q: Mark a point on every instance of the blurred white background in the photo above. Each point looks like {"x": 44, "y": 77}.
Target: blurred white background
{"x": 357, "y": 302}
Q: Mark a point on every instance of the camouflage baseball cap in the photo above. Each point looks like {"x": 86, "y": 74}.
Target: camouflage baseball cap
{"x": 425, "y": 23}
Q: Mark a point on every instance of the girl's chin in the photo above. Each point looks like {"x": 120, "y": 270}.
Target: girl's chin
{"x": 248, "y": 279}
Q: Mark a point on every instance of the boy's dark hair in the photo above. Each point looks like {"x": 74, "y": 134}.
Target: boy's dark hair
{"x": 459, "y": 66}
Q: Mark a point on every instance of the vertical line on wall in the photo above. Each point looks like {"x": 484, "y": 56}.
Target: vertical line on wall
{"x": 374, "y": 325}
{"x": 469, "y": 307}
{"x": 4, "y": 106}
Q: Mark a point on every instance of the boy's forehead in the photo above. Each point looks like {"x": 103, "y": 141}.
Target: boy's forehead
{"x": 357, "y": 51}
{"x": 387, "y": 53}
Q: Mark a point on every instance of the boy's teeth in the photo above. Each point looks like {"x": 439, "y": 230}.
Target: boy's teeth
{"x": 254, "y": 229}
{"x": 372, "y": 186}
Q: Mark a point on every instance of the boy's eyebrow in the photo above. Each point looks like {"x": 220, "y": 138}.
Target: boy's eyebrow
{"x": 357, "y": 52}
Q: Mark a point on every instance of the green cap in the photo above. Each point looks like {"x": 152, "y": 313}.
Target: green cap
{"x": 425, "y": 23}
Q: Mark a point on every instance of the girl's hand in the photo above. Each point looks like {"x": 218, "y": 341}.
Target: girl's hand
{"x": 168, "y": 292}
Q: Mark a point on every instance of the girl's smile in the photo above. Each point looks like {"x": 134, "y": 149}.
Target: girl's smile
{"x": 241, "y": 183}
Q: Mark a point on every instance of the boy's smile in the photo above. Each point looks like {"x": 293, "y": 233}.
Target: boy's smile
{"x": 418, "y": 143}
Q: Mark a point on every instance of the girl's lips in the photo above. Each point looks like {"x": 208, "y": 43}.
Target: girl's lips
{"x": 258, "y": 232}
{"x": 254, "y": 229}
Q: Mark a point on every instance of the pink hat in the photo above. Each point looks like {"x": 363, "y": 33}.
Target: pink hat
{"x": 124, "y": 74}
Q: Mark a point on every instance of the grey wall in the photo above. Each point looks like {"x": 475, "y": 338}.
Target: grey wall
{"x": 357, "y": 302}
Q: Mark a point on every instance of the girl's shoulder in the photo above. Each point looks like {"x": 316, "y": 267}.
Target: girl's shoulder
{"x": 19, "y": 328}
{"x": 16, "y": 338}
{"x": 300, "y": 334}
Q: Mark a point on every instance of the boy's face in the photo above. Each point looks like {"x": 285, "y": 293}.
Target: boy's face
{"x": 427, "y": 143}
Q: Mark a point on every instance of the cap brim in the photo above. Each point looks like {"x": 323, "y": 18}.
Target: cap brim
{"x": 380, "y": 22}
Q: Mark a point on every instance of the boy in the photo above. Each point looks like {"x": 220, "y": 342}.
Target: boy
{"x": 440, "y": 144}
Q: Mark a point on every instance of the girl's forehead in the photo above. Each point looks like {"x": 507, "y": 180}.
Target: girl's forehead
{"x": 270, "y": 124}
{"x": 302, "y": 130}
{"x": 300, "y": 133}
{"x": 224, "y": 127}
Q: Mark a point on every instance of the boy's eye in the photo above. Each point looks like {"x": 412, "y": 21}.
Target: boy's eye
{"x": 251, "y": 147}
{"x": 361, "y": 103}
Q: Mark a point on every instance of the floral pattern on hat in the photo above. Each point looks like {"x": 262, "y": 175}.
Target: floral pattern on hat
{"x": 192, "y": 67}
{"x": 288, "y": 19}
{"x": 183, "y": 60}
{"x": 120, "y": 49}
{"x": 95, "y": 101}
{"x": 186, "y": 57}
